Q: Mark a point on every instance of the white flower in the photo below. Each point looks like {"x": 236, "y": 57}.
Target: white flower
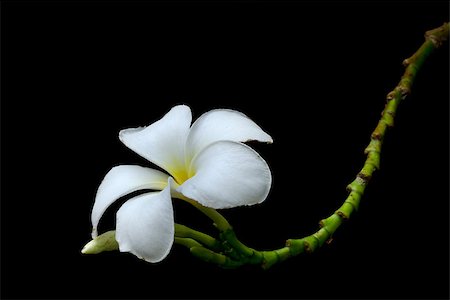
{"x": 206, "y": 162}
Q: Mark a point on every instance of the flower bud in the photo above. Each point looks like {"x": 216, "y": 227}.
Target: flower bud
{"x": 104, "y": 242}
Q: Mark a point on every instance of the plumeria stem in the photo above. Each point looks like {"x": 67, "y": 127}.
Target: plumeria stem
{"x": 187, "y": 242}
{"x": 219, "y": 221}
{"x": 216, "y": 258}
{"x": 242, "y": 254}
{"x": 182, "y": 231}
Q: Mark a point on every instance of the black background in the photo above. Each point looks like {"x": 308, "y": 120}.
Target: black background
{"x": 314, "y": 75}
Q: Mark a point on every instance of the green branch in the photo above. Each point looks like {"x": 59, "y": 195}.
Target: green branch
{"x": 219, "y": 221}
{"x": 182, "y": 231}
{"x": 433, "y": 40}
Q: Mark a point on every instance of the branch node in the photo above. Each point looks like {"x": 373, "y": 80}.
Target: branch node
{"x": 404, "y": 91}
{"x": 438, "y": 35}
{"x": 391, "y": 95}
{"x": 364, "y": 177}
{"x": 343, "y": 216}
{"x": 377, "y": 136}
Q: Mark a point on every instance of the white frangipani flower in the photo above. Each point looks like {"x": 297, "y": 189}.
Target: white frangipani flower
{"x": 206, "y": 162}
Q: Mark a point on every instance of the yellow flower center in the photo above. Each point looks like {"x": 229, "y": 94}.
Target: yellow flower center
{"x": 180, "y": 175}
{"x": 181, "y": 171}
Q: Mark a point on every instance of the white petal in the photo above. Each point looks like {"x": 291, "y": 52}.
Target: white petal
{"x": 121, "y": 181}
{"x": 162, "y": 142}
{"x": 228, "y": 174}
{"x": 145, "y": 226}
{"x": 223, "y": 125}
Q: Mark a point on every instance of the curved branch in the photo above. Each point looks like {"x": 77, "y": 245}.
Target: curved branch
{"x": 433, "y": 39}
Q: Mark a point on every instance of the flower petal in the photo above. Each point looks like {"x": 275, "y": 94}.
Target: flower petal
{"x": 228, "y": 174}
{"x": 121, "y": 181}
{"x": 223, "y": 125}
{"x": 145, "y": 226}
{"x": 162, "y": 142}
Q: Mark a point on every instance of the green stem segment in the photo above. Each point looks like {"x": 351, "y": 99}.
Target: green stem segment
{"x": 234, "y": 253}
{"x": 219, "y": 221}
{"x": 185, "y": 232}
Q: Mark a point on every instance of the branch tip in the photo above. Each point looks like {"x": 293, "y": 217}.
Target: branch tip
{"x": 438, "y": 35}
